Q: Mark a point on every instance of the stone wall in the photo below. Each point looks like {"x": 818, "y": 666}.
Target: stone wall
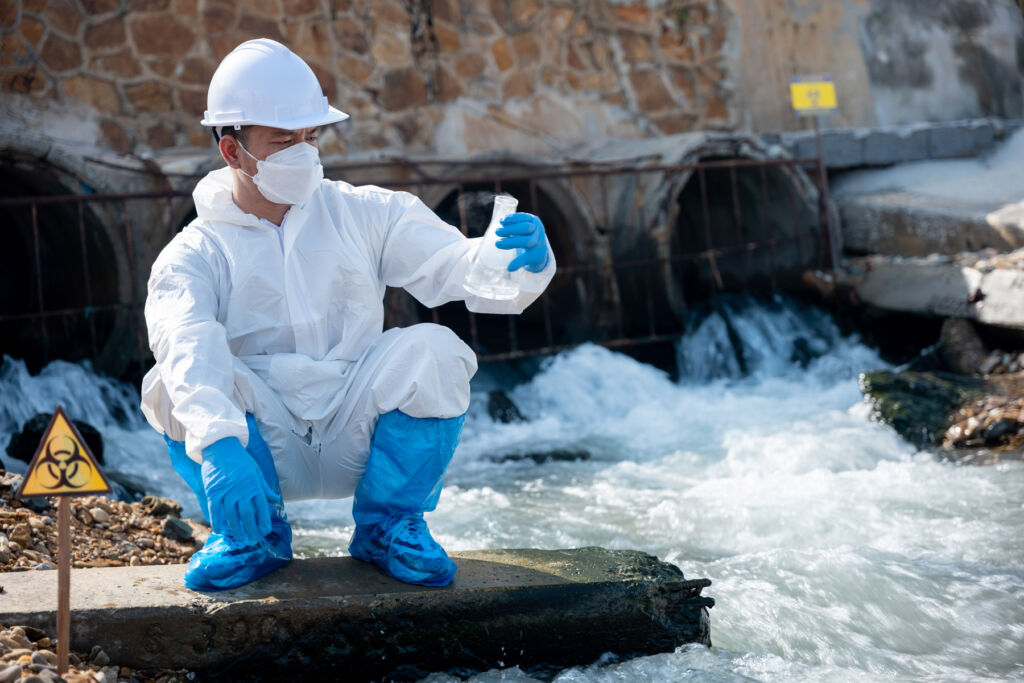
{"x": 446, "y": 77}
{"x": 893, "y": 61}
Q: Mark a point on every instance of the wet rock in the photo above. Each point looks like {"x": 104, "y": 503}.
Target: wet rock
{"x": 803, "y": 352}
{"x": 954, "y": 411}
{"x": 918, "y": 405}
{"x": 23, "y": 445}
{"x": 624, "y": 601}
{"x": 542, "y": 457}
{"x": 501, "y": 408}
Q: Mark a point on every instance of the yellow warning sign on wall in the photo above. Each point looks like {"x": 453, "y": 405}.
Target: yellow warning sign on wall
{"x": 813, "y": 95}
{"x": 63, "y": 465}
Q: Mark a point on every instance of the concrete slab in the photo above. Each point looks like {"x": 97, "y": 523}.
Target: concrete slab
{"x": 321, "y": 617}
{"x": 907, "y": 224}
{"x": 983, "y": 287}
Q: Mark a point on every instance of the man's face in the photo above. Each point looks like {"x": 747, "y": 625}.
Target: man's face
{"x": 261, "y": 142}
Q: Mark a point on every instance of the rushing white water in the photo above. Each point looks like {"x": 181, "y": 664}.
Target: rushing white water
{"x": 837, "y": 552}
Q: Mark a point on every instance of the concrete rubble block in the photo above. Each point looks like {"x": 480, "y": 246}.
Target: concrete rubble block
{"x": 895, "y": 146}
{"x": 905, "y": 224}
{"x": 960, "y": 139}
{"x": 842, "y": 148}
{"x": 801, "y": 145}
{"x": 329, "y": 615}
{"x": 990, "y": 291}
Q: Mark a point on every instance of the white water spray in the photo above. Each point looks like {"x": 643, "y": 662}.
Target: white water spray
{"x": 837, "y": 552}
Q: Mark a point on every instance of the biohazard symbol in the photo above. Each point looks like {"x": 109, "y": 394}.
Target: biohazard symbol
{"x": 813, "y": 95}
{"x": 63, "y": 464}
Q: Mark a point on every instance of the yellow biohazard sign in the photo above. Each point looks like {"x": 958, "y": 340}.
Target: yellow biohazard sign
{"x": 63, "y": 465}
{"x": 812, "y": 95}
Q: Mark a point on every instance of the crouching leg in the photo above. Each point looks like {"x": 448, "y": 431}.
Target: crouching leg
{"x": 223, "y": 563}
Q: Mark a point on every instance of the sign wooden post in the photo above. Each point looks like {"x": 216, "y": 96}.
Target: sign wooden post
{"x": 815, "y": 96}
{"x": 63, "y": 466}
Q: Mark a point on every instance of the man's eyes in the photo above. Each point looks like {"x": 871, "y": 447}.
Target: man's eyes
{"x": 289, "y": 141}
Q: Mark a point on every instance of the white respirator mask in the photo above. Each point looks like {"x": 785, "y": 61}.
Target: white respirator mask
{"x": 289, "y": 176}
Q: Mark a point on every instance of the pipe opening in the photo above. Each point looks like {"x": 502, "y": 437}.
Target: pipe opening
{"x": 743, "y": 229}
{"x": 59, "y": 281}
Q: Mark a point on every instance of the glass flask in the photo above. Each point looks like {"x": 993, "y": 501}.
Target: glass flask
{"x": 488, "y": 275}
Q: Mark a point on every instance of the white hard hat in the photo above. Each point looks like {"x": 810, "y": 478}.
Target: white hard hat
{"x": 261, "y": 82}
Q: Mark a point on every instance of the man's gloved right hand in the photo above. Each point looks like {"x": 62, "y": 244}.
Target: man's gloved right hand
{"x": 238, "y": 494}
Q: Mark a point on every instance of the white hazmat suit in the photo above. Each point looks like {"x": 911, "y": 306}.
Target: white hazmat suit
{"x": 287, "y": 324}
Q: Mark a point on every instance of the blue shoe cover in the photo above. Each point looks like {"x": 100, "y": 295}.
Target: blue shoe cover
{"x": 405, "y": 550}
{"x": 221, "y": 564}
{"x": 403, "y": 479}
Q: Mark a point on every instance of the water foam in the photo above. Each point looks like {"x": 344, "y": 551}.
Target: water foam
{"x": 837, "y": 552}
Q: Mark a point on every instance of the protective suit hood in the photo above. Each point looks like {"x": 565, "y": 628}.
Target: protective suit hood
{"x": 215, "y": 204}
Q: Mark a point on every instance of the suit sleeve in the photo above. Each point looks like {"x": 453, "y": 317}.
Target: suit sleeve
{"x": 190, "y": 345}
{"x": 430, "y": 259}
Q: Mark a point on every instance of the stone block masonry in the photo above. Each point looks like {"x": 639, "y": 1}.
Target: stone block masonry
{"x": 323, "y": 616}
{"x": 425, "y": 76}
{"x": 858, "y": 147}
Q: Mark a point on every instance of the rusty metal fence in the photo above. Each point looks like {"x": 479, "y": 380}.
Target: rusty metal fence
{"x": 615, "y": 295}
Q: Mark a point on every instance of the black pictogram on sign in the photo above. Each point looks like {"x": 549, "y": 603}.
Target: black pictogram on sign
{"x": 63, "y": 464}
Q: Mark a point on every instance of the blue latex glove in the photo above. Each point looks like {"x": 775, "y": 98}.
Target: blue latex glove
{"x": 524, "y": 231}
{"x": 238, "y": 495}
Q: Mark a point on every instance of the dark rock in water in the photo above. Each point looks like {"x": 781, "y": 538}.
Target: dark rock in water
{"x": 999, "y": 429}
{"x": 24, "y": 444}
{"x": 919, "y": 405}
{"x": 162, "y": 507}
{"x": 541, "y": 457}
{"x": 961, "y": 347}
{"x": 803, "y": 353}
{"x": 126, "y": 487}
{"x": 501, "y": 408}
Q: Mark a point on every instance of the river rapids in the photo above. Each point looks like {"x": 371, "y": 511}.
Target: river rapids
{"x": 837, "y": 551}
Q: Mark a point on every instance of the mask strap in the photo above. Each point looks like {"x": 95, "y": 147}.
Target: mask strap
{"x": 241, "y": 170}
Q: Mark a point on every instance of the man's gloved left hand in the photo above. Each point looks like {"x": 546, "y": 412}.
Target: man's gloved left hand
{"x": 524, "y": 231}
{"x": 238, "y": 495}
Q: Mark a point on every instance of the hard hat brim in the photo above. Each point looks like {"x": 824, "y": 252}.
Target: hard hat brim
{"x": 332, "y": 115}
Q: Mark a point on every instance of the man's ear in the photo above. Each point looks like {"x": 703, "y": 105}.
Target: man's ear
{"x": 229, "y": 150}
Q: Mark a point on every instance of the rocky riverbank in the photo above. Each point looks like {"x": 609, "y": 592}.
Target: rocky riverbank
{"x": 29, "y": 655}
{"x": 105, "y": 533}
{"x": 973, "y": 406}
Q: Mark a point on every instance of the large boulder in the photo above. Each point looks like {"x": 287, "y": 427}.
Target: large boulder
{"x": 23, "y": 445}
{"x": 940, "y": 409}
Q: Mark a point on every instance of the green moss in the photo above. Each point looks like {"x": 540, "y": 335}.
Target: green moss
{"x": 918, "y": 405}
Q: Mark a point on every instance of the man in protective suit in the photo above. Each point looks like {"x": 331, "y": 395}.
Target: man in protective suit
{"x": 274, "y": 379}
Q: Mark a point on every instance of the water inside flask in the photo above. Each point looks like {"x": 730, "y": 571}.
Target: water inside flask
{"x": 488, "y": 275}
